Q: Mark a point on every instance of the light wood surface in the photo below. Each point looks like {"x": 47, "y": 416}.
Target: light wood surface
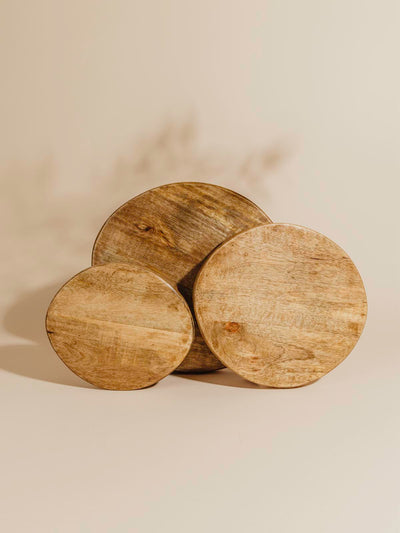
{"x": 120, "y": 326}
{"x": 280, "y": 304}
{"x": 173, "y": 228}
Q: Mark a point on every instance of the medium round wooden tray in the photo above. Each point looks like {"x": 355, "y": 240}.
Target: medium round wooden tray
{"x": 120, "y": 326}
{"x": 280, "y": 304}
{"x": 172, "y": 229}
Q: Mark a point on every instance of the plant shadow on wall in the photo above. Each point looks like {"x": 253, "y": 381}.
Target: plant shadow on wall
{"x": 51, "y": 236}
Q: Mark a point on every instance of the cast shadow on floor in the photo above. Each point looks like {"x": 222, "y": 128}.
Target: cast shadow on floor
{"x": 26, "y": 319}
{"x": 224, "y": 377}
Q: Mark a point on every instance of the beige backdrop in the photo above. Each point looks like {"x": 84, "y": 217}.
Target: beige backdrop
{"x": 293, "y": 103}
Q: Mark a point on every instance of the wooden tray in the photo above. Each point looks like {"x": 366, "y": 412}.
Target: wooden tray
{"x": 120, "y": 326}
{"x": 172, "y": 229}
{"x": 280, "y": 304}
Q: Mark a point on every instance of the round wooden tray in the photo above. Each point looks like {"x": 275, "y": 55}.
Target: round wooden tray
{"x": 280, "y": 304}
{"x": 172, "y": 229}
{"x": 120, "y": 326}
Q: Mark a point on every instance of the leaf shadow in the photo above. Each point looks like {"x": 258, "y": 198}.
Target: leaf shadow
{"x": 38, "y": 220}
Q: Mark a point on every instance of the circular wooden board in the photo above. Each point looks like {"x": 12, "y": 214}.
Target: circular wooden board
{"x": 280, "y": 304}
{"x": 120, "y": 326}
{"x": 172, "y": 229}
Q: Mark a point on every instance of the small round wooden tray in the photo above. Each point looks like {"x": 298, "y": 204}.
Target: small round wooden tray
{"x": 172, "y": 229}
{"x": 280, "y": 304}
{"x": 120, "y": 326}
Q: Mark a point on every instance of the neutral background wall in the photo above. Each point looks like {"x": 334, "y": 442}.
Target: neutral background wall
{"x": 293, "y": 103}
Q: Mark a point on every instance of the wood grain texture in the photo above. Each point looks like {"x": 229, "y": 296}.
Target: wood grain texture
{"x": 120, "y": 326}
{"x": 173, "y": 228}
{"x": 280, "y": 304}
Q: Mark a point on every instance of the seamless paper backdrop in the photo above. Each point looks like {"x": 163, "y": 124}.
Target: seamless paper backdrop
{"x": 294, "y": 104}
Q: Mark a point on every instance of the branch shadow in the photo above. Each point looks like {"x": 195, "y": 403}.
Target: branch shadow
{"x": 38, "y": 217}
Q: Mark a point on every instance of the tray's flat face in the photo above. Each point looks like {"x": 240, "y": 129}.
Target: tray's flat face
{"x": 173, "y": 228}
{"x": 280, "y": 304}
{"x": 120, "y": 326}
